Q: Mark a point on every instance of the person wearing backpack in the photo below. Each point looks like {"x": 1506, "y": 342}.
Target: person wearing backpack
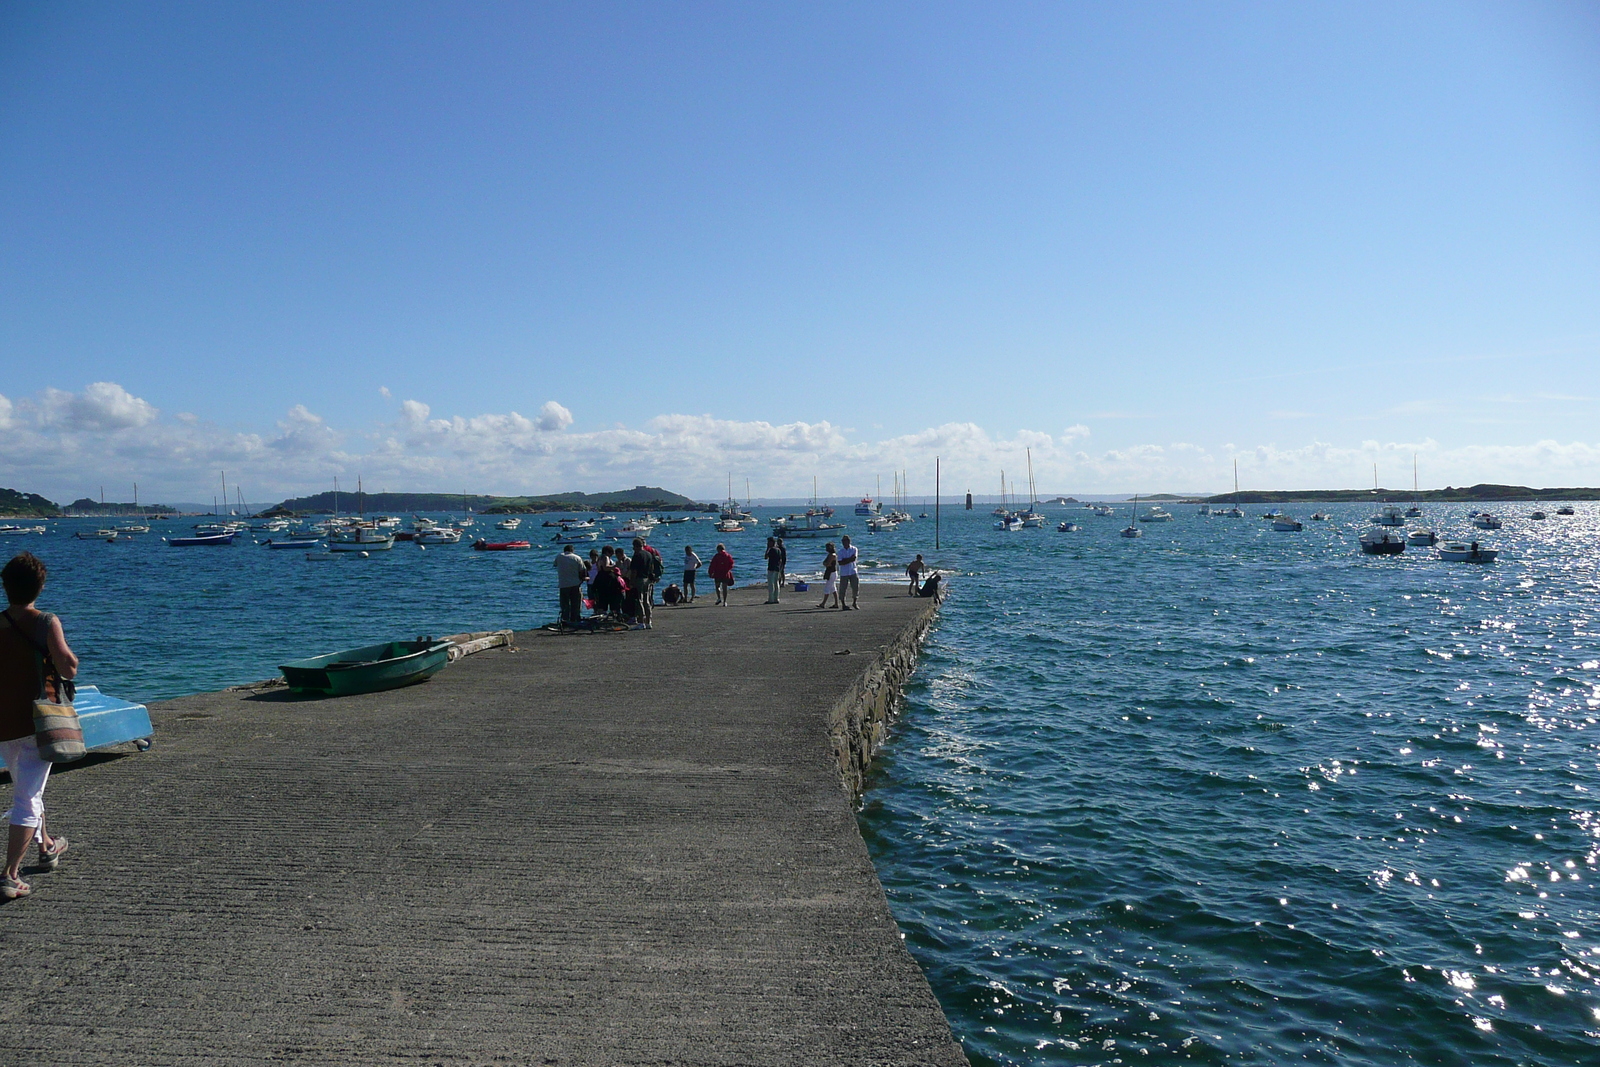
{"x": 645, "y": 570}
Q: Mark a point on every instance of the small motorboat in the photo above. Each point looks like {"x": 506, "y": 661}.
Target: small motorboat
{"x": 370, "y": 669}
{"x": 1319, "y": 516}
{"x": 1456, "y": 552}
{"x": 508, "y": 524}
{"x": 1156, "y": 513}
{"x": 106, "y": 720}
{"x": 96, "y": 535}
{"x": 1486, "y": 521}
{"x": 1380, "y": 541}
{"x": 1389, "y": 516}
{"x": 133, "y": 528}
{"x": 1287, "y": 524}
{"x": 202, "y": 539}
{"x": 361, "y": 539}
{"x": 1068, "y": 527}
{"x": 500, "y": 546}
{"x": 1537, "y": 516}
{"x": 1565, "y": 510}
{"x": 283, "y": 543}
{"x": 729, "y": 526}
{"x": 14, "y": 529}
{"x": 1425, "y": 538}
{"x": 1204, "y": 509}
{"x": 438, "y": 535}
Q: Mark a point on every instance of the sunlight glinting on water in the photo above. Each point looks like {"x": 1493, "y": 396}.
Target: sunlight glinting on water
{"x": 1222, "y": 794}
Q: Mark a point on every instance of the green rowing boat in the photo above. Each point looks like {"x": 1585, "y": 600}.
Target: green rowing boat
{"x": 367, "y": 670}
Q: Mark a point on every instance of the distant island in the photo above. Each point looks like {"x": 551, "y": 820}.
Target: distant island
{"x": 639, "y": 498}
{"x": 1471, "y": 494}
{"x": 19, "y": 505}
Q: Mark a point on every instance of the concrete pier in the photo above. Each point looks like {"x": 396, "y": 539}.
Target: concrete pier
{"x": 635, "y": 848}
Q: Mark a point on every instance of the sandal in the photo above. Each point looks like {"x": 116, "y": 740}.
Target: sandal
{"x": 12, "y": 888}
{"x": 50, "y": 858}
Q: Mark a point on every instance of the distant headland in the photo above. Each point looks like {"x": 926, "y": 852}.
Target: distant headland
{"x": 639, "y": 498}
{"x": 17, "y": 504}
{"x": 1470, "y": 494}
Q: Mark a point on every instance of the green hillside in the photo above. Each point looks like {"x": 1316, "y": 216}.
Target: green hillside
{"x": 15, "y": 504}
{"x": 639, "y": 498}
{"x": 85, "y": 506}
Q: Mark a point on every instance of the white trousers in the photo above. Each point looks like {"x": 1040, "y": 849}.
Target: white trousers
{"x": 28, "y": 776}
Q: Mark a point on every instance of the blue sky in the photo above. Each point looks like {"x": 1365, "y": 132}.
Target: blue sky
{"x": 521, "y": 247}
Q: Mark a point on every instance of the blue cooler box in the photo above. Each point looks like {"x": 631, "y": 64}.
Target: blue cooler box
{"x": 109, "y": 721}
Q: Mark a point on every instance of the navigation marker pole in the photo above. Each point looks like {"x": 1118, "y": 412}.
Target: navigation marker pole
{"x": 935, "y": 502}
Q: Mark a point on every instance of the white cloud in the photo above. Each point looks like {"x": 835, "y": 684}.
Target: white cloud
{"x": 305, "y": 433}
{"x": 103, "y": 406}
{"x": 553, "y": 417}
{"x": 383, "y": 391}
{"x": 57, "y": 443}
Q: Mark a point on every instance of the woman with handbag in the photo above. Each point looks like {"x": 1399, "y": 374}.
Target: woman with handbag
{"x": 35, "y": 662}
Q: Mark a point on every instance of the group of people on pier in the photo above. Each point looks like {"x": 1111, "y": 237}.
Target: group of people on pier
{"x": 617, "y": 586}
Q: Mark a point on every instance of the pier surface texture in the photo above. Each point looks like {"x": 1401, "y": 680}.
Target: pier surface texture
{"x": 632, "y": 848}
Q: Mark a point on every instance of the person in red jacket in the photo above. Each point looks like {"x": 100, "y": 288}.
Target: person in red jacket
{"x": 721, "y": 571}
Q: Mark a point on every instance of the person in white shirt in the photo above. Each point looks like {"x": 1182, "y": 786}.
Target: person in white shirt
{"x": 691, "y": 566}
{"x": 848, "y": 554}
{"x": 570, "y": 572}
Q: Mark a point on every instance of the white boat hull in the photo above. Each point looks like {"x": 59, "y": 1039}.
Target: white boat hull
{"x": 1467, "y": 554}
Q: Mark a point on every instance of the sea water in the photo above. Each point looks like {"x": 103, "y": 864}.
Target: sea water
{"x": 1216, "y": 794}
{"x": 1222, "y": 794}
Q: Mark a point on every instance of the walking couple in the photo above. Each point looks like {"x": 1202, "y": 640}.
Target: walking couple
{"x": 839, "y": 575}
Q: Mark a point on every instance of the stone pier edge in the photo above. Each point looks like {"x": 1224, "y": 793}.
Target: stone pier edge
{"x": 860, "y": 719}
